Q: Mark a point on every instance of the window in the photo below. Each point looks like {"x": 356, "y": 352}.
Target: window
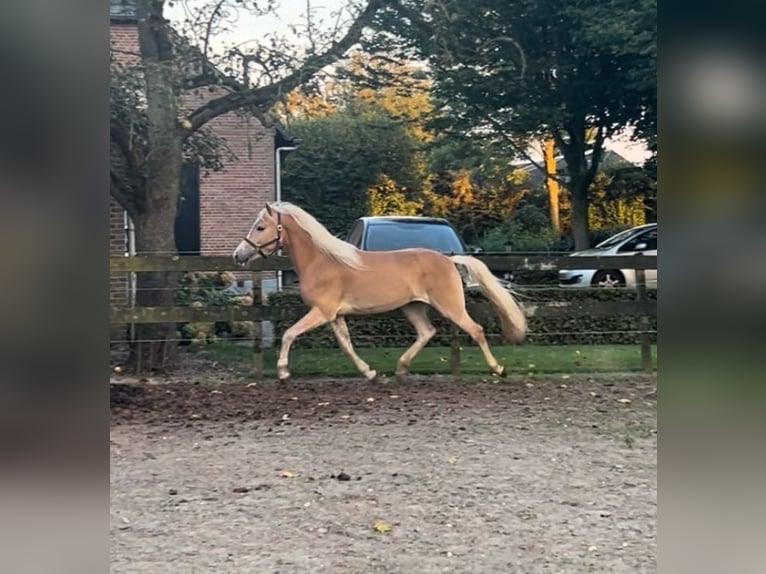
{"x": 187, "y": 217}
{"x": 391, "y": 236}
{"x": 615, "y": 239}
{"x": 648, "y": 237}
{"x": 355, "y": 237}
{"x": 651, "y": 239}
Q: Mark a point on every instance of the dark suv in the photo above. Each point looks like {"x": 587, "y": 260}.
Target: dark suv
{"x": 392, "y": 232}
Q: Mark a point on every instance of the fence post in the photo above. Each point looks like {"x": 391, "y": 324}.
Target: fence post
{"x": 257, "y": 329}
{"x": 646, "y": 348}
{"x": 454, "y": 345}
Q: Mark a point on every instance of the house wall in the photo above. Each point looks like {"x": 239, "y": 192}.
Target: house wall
{"x": 231, "y": 199}
{"x": 124, "y": 47}
{"x": 118, "y": 282}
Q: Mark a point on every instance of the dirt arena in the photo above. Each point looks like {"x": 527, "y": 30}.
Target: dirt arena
{"x": 341, "y": 476}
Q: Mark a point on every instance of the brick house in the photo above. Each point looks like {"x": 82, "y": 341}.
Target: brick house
{"x": 217, "y": 208}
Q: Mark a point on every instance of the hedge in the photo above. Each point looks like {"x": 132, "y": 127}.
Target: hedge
{"x": 393, "y": 330}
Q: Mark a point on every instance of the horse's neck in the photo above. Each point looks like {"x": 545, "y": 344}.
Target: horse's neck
{"x": 301, "y": 248}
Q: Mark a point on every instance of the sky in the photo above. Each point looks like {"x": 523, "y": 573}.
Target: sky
{"x": 246, "y": 27}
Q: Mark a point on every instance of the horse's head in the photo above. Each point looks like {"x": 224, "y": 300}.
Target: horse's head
{"x": 264, "y": 237}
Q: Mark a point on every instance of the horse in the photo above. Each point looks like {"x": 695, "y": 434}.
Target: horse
{"x": 337, "y": 279}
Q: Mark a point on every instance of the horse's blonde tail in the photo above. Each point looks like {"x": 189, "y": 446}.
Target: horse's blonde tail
{"x": 512, "y": 319}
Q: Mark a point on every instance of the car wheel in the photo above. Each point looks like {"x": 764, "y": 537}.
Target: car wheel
{"x": 608, "y": 279}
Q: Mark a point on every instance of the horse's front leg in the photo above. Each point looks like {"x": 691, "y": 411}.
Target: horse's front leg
{"x": 311, "y": 320}
{"x": 340, "y": 328}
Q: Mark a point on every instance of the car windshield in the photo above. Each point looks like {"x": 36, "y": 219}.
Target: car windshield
{"x": 615, "y": 239}
{"x": 393, "y": 235}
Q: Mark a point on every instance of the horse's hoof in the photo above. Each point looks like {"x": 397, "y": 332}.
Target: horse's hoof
{"x": 501, "y": 372}
{"x": 283, "y": 377}
{"x": 401, "y": 377}
{"x": 372, "y": 376}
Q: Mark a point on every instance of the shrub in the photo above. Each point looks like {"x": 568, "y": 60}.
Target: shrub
{"x": 204, "y": 290}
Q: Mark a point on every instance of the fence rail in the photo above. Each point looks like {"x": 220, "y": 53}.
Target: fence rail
{"x": 496, "y": 262}
{"x": 642, "y": 306}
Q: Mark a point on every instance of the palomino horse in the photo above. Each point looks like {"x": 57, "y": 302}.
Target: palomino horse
{"x": 337, "y": 279}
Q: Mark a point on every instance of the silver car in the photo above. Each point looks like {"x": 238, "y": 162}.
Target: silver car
{"x": 641, "y": 239}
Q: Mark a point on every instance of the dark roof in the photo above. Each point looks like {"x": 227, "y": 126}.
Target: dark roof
{"x": 609, "y": 160}
{"x": 405, "y": 219}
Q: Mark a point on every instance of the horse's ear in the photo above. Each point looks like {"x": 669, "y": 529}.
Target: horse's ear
{"x": 269, "y": 210}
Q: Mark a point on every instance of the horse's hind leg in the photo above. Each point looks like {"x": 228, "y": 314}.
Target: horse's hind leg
{"x": 476, "y": 331}
{"x": 455, "y": 312}
{"x": 416, "y": 313}
{"x": 340, "y": 328}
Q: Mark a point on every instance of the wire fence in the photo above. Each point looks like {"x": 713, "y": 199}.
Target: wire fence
{"x": 198, "y": 299}
{"x": 491, "y": 337}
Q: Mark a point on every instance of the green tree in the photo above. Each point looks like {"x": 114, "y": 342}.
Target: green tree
{"x": 385, "y": 197}
{"x": 474, "y": 200}
{"x": 349, "y": 161}
{"x": 621, "y": 197}
{"x": 510, "y": 72}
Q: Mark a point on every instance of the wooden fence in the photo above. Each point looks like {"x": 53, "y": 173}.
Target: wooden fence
{"x": 642, "y": 306}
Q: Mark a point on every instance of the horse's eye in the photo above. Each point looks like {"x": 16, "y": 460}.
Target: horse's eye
{"x": 260, "y": 228}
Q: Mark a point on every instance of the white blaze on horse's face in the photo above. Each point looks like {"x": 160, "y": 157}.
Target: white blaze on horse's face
{"x": 262, "y": 233}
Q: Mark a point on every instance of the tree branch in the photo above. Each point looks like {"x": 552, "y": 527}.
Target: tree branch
{"x": 208, "y": 31}
{"x": 265, "y": 96}
{"x": 415, "y": 17}
{"x": 155, "y": 43}
{"x": 131, "y": 154}
{"x": 129, "y": 194}
{"x": 567, "y": 149}
{"x": 123, "y": 193}
{"x": 209, "y": 77}
{"x": 598, "y": 148}
{"x": 310, "y": 28}
{"x": 521, "y": 150}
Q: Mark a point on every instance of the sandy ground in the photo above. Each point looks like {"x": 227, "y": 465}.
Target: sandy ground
{"x": 521, "y": 476}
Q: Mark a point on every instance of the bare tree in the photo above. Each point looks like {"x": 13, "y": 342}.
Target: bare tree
{"x": 151, "y": 130}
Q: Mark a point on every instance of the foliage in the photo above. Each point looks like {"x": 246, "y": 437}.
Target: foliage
{"x": 209, "y": 290}
{"x": 526, "y": 229}
{"x": 618, "y": 199}
{"x": 128, "y": 113}
{"x": 347, "y": 160}
{"x": 385, "y": 197}
{"x": 509, "y": 72}
{"x": 473, "y": 199}
{"x": 362, "y": 139}
{"x": 619, "y": 194}
{"x": 495, "y": 240}
{"x": 392, "y": 329}
{"x": 401, "y": 88}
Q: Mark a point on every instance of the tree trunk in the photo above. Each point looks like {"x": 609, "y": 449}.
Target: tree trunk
{"x": 581, "y": 173}
{"x": 155, "y": 349}
{"x": 155, "y": 346}
{"x": 552, "y": 185}
{"x": 579, "y": 182}
{"x": 579, "y": 193}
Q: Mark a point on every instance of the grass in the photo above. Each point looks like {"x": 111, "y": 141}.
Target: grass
{"x": 525, "y": 359}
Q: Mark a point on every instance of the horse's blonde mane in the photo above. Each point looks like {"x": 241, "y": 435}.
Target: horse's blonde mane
{"x": 341, "y": 251}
